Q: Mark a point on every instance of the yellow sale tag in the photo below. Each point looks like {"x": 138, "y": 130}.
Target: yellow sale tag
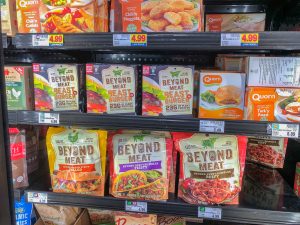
{"x": 138, "y": 39}
{"x": 56, "y": 39}
{"x": 250, "y": 39}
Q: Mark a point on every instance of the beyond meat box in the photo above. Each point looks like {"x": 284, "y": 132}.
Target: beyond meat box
{"x": 62, "y": 16}
{"x": 8, "y": 17}
{"x": 168, "y": 90}
{"x": 59, "y": 87}
{"x": 111, "y": 88}
{"x": 18, "y": 81}
{"x": 156, "y": 16}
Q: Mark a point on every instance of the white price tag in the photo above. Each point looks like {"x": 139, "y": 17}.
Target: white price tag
{"x": 231, "y": 39}
{"x": 134, "y": 206}
{"x": 211, "y": 126}
{"x": 49, "y": 118}
{"x": 35, "y": 197}
{"x": 285, "y": 130}
{"x": 209, "y": 213}
{"x": 40, "y": 40}
{"x": 121, "y": 40}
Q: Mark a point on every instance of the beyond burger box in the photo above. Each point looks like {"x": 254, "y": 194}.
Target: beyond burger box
{"x": 19, "y": 85}
{"x": 8, "y": 17}
{"x": 59, "y": 87}
{"x": 62, "y": 16}
{"x": 111, "y": 89}
{"x": 156, "y": 16}
{"x": 168, "y": 90}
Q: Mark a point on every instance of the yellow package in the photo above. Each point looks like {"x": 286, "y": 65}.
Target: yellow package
{"x": 77, "y": 159}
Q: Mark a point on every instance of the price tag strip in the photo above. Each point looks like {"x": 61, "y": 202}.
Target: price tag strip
{"x": 238, "y": 39}
{"x": 134, "y": 206}
{"x": 35, "y": 197}
{"x": 56, "y": 40}
{"x": 209, "y": 213}
{"x": 212, "y": 126}
{"x": 285, "y": 130}
{"x": 130, "y": 40}
{"x": 47, "y": 40}
{"x": 48, "y": 118}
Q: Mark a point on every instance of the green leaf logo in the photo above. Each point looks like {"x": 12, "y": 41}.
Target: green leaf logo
{"x": 117, "y": 72}
{"x": 61, "y": 71}
{"x": 73, "y": 137}
{"x": 175, "y": 73}
{"x": 209, "y": 143}
{"x": 139, "y": 137}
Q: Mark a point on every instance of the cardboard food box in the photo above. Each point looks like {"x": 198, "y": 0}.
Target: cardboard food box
{"x": 156, "y": 16}
{"x": 221, "y": 95}
{"x": 135, "y": 218}
{"x": 111, "y": 89}
{"x": 59, "y": 87}
{"x": 19, "y": 85}
{"x": 243, "y": 22}
{"x": 8, "y": 17}
{"x": 62, "y": 16}
{"x": 274, "y": 72}
{"x": 168, "y": 90}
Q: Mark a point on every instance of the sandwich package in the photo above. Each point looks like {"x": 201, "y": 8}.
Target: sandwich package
{"x": 59, "y": 87}
{"x": 268, "y": 151}
{"x": 8, "y": 17}
{"x": 99, "y": 217}
{"x": 140, "y": 165}
{"x": 211, "y": 167}
{"x": 62, "y": 16}
{"x": 125, "y": 218}
{"x": 111, "y": 89}
{"x": 19, "y": 85}
{"x": 167, "y": 90}
{"x": 156, "y": 16}
{"x": 77, "y": 160}
{"x": 221, "y": 95}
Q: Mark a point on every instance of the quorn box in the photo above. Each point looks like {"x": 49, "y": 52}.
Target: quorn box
{"x": 8, "y": 17}
{"x": 59, "y": 87}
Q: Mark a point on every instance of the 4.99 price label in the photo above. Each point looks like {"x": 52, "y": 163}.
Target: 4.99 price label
{"x": 56, "y": 40}
{"x": 250, "y": 39}
{"x": 138, "y": 39}
{"x": 130, "y": 40}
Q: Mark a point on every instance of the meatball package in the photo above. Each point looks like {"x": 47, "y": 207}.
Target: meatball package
{"x": 211, "y": 167}
{"x": 267, "y": 151}
{"x": 140, "y": 166}
{"x": 77, "y": 159}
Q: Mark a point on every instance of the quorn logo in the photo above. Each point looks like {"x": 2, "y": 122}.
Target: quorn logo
{"x": 263, "y": 97}
{"x": 212, "y": 79}
{"x": 25, "y": 3}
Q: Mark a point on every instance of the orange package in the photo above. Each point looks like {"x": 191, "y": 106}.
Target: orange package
{"x": 140, "y": 165}
{"x": 211, "y": 167}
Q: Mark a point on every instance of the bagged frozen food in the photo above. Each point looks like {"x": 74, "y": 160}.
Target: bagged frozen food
{"x": 111, "y": 88}
{"x": 62, "y": 16}
{"x": 124, "y": 218}
{"x": 168, "y": 90}
{"x": 221, "y": 95}
{"x": 8, "y": 17}
{"x": 267, "y": 151}
{"x": 57, "y": 215}
{"x": 156, "y": 16}
{"x": 140, "y": 166}
{"x": 59, "y": 87}
{"x": 24, "y": 212}
{"x": 211, "y": 167}
{"x": 77, "y": 160}
{"x": 19, "y": 85}
{"x": 99, "y": 216}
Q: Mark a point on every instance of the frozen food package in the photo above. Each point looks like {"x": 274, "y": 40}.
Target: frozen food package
{"x": 99, "y": 216}
{"x": 24, "y": 212}
{"x": 156, "y": 16}
{"x": 77, "y": 160}
{"x": 18, "y": 157}
{"x": 221, "y": 95}
{"x": 297, "y": 180}
{"x": 59, "y": 87}
{"x": 168, "y": 90}
{"x": 62, "y": 16}
{"x": 170, "y": 220}
{"x": 111, "y": 89}
{"x": 211, "y": 167}
{"x": 268, "y": 151}
{"x": 19, "y": 85}
{"x": 9, "y": 17}
{"x": 58, "y": 215}
{"x": 32, "y": 149}
{"x": 140, "y": 165}
{"x": 232, "y": 62}
{"x": 125, "y": 218}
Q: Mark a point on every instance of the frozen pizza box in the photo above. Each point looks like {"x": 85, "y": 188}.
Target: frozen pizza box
{"x": 59, "y": 87}
{"x": 8, "y": 17}
{"x": 19, "y": 85}
{"x": 167, "y": 90}
{"x": 111, "y": 89}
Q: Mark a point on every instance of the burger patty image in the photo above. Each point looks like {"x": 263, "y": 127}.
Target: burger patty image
{"x": 152, "y": 98}
{"x": 43, "y": 94}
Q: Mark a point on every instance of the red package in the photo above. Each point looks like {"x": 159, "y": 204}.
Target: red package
{"x": 140, "y": 165}
{"x": 211, "y": 167}
{"x": 267, "y": 151}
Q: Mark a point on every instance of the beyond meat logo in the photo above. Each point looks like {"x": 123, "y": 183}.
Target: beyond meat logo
{"x": 73, "y": 137}
{"x": 210, "y": 80}
{"x": 138, "y": 138}
{"x": 117, "y": 72}
{"x": 175, "y": 73}
{"x": 209, "y": 143}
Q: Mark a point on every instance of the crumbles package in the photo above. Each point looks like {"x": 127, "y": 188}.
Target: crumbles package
{"x": 167, "y": 90}
{"x": 111, "y": 89}
{"x": 99, "y": 217}
{"x": 125, "y": 218}
{"x": 140, "y": 165}
{"x": 77, "y": 159}
{"x": 267, "y": 151}
{"x": 211, "y": 167}
{"x": 59, "y": 87}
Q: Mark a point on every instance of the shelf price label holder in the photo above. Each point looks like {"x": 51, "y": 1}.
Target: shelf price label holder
{"x": 37, "y": 197}
{"x": 285, "y": 130}
{"x": 239, "y": 39}
{"x": 49, "y": 118}
{"x": 47, "y": 40}
{"x": 212, "y": 126}
{"x": 209, "y": 213}
{"x": 134, "y": 206}
{"x": 134, "y": 40}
